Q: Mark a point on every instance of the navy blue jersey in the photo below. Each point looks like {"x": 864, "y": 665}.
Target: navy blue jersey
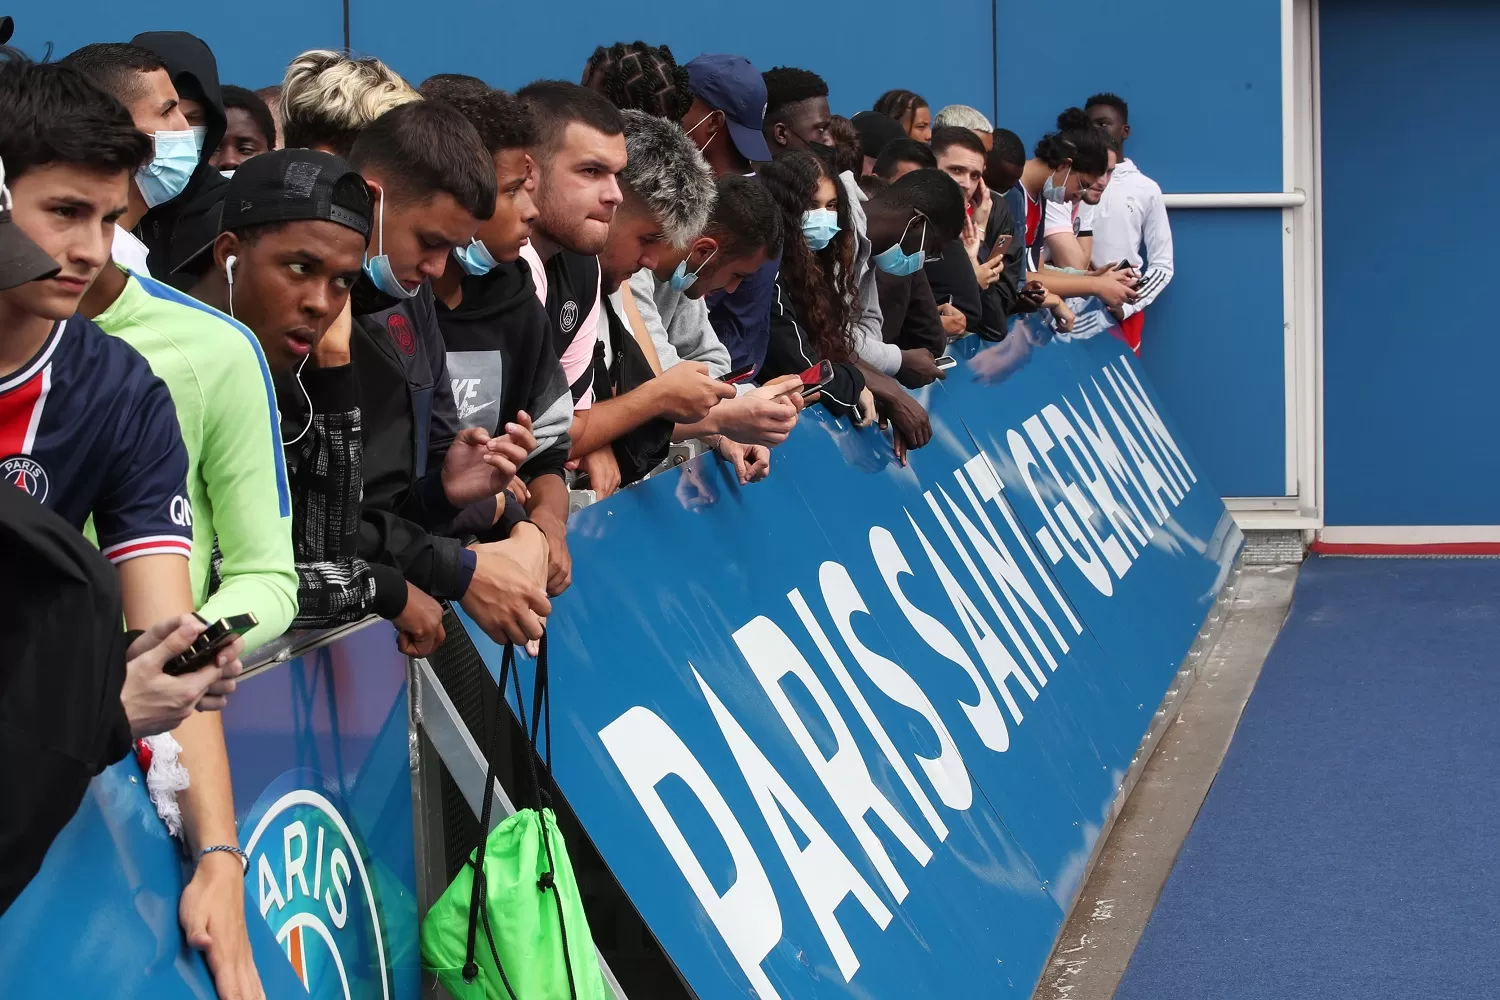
{"x": 86, "y": 428}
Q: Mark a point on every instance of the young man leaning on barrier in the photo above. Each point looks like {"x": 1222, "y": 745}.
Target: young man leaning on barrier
{"x": 578, "y": 154}
{"x": 89, "y": 431}
{"x": 501, "y": 360}
{"x": 292, "y": 236}
{"x": 669, "y": 191}
{"x": 743, "y": 232}
{"x": 908, "y": 222}
{"x": 242, "y": 514}
{"x": 433, "y": 184}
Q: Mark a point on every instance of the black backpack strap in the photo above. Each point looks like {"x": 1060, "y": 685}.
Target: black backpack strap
{"x": 478, "y": 892}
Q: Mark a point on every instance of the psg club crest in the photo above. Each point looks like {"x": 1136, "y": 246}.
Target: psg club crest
{"x": 27, "y": 473}
{"x": 401, "y": 333}
{"x": 310, "y": 882}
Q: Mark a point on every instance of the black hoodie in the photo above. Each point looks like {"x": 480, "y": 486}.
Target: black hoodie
{"x": 178, "y": 229}
{"x": 501, "y": 359}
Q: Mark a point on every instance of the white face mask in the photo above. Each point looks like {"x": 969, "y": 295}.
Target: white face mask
{"x": 200, "y": 134}
{"x": 1057, "y": 192}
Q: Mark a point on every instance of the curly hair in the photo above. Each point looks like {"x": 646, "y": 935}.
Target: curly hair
{"x": 821, "y": 285}
{"x": 848, "y": 154}
{"x": 640, "y": 77}
{"x": 1076, "y": 139}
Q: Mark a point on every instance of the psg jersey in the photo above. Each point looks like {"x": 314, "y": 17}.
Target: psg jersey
{"x": 86, "y": 428}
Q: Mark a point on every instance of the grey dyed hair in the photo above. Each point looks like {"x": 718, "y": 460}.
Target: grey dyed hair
{"x": 963, "y": 116}
{"x": 668, "y": 175}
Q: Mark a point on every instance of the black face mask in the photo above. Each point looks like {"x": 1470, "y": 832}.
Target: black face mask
{"x": 822, "y": 152}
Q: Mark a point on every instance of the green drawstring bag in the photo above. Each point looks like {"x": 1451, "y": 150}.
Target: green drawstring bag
{"x": 517, "y": 890}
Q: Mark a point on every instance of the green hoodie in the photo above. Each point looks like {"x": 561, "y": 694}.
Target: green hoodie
{"x": 237, "y": 483}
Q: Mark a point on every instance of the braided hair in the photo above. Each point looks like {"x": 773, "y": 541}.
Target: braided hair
{"x": 822, "y": 284}
{"x": 901, "y": 105}
{"x": 634, "y": 75}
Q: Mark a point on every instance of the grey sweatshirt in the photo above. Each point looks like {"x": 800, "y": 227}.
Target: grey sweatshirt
{"x": 867, "y": 328}
{"x": 679, "y": 325}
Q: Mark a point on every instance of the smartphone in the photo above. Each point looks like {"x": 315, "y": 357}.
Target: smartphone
{"x": 1002, "y": 244}
{"x": 946, "y": 361}
{"x": 209, "y": 644}
{"x": 739, "y": 375}
{"x": 1124, "y": 265}
{"x": 816, "y": 377}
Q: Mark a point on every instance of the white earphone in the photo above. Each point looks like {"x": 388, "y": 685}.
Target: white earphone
{"x": 229, "y": 263}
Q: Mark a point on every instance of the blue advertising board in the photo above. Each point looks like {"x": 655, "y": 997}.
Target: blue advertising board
{"x": 850, "y": 732}
{"x": 322, "y": 781}
{"x": 855, "y": 730}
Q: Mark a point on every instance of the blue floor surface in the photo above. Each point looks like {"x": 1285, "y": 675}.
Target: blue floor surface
{"x": 1350, "y": 846}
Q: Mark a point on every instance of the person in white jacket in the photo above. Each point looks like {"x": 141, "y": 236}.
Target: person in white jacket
{"x": 1131, "y": 215}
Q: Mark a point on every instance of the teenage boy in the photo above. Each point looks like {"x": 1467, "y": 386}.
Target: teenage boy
{"x": 178, "y": 228}
{"x": 293, "y": 234}
{"x": 668, "y": 192}
{"x": 249, "y": 130}
{"x": 433, "y": 184}
{"x": 139, "y": 80}
{"x": 242, "y": 512}
{"x": 913, "y": 217}
{"x": 797, "y": 115}
{"x": 501, "y": 359}
{"x": 1131, "y": 216}
{"x": 726, "y": 123}
{"x": 743, "y": 232}
{"x": 88, "y": 430}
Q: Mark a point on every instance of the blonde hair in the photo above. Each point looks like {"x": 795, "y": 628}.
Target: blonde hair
{"x": 327, "y": 97}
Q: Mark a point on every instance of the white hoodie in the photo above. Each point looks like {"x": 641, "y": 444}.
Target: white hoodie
{"x": 1131, "y": 213}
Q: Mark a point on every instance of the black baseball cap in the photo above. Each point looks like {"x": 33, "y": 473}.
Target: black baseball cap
{"x": 293, "y": 185}
{"x": 731, "y": 85}
{"x": 21, "y": 260}
{"x": 876, "y": 131}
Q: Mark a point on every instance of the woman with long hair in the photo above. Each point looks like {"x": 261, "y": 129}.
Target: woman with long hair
{"x": 910, "y": 109}
{"x": 811, "y": 308}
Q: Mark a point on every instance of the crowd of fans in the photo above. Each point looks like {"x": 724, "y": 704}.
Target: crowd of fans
{"x": 345, "y": 346}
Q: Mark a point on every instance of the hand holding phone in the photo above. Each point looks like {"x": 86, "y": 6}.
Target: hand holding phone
{"x": 738, "y": 375}
{"x": 816, "y": 377}
{"x": 209, "y": 644}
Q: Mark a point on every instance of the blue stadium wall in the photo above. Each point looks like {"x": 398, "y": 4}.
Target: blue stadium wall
{"x": 1206, "y": 118}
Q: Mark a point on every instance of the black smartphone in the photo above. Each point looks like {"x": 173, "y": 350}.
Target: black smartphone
{"x": 1124, "y": 265}
{"x": 738, "y": 375}
{"x": 209, "y": 643}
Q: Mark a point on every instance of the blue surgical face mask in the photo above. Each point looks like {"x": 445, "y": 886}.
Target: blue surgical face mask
{"x": 898, "y": 262}
{"x": 1056, "y": 192}
{"x": 819, "y": 227}
{"x": 200, "y": 135}
{"x": 475, "y": 258}
{"x": 681, "y": 280}
{"x": 170, "y": 169}
{"x": 378, "y": 267}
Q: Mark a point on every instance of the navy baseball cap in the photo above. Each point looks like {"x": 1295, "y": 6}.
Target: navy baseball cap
{"x": 731, "y": 85}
